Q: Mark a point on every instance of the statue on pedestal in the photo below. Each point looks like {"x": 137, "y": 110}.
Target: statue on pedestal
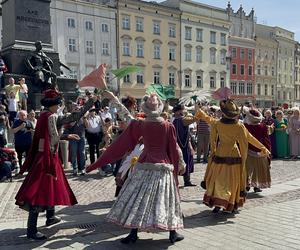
{"x": 41, "y": 67}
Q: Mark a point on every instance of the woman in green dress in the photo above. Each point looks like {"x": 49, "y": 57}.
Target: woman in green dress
{"x": 281, "y": 136}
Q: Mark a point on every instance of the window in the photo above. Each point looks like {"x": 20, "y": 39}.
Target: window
{"x": 212, "y": 56}
{"x": 126, "y": 23}
{"x": 258, "y": 89}
{"x": 234, "y": 69}
{"x": 171, "y": 78}
{"x": 172, "y": 54}
{"x": 233, "y": 87}
{"x": 72, "y": 45}
{"x": 199, "y": 81}
{"x": 272, "y": 90}
{"x": 242, "y": 54}
{"x": 266, "y": 70}
{"x": 126, "y": 79}
{"x": 73, "y": 73}
{"x": 291, "y": 66}
{"x": 273, "y": 55}
{"x": 258, "y": 69}
{"x": 266, "y": 89}
{"x": 284, "y": 95}
{"x": 126, "y": 48}
{"x": 89, "y": 25}
{"x": 250, "y": 70}
{"x": 290, "y": 95}
{"x": 250, "y": 55}
{"x": 156, "y": 77}
{"x": 278, "y": 95}
{"x": 273, "y": 71}
{"x": 187, "y": 80}
{"x": 104, "y": 27}
{"x": 105, "y": 49}
{"x": 172, "y": 30}
{"x": 71, "y": 22}
{"x": 279, "y": 78}
{"x": 241, "y": 88}
{"x": 285, "y": 65}
{"x": 223, "y": 39}
{"x": 223, "y": 57}
{"x": 140, "y": 77}
{"x": 199, "y": 35}
{"x": 156, "y": 51}
{"x": 249, "y": 88}
{"x": 139, "y": 24}
{"x": 188, "y": 54}
{"x": 285, "y": 79}
{"x": 213, "y": 37}
{"x": 199, "y": 54}
{"x": 156, "y": 28}
{"x": 140, "y": 49}
{"x": 279, "y": 64}
{"x": 222, "y": 82}
{"x": 259, "y": 53}
{"x": 233, "y": 52}
{"x": 212, "y": 82}
{"x": 266, "y": 54}
{"x": 242, "y": 69}
{"x": 89, "y": 47}
{"x": 188, "y": 33}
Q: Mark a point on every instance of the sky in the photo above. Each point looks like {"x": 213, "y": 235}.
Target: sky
{"x": 282, "y": 13}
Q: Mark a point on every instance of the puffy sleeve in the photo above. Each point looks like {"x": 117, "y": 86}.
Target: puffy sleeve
{"x": 53, "y": 132}
{"x": 76, "y": 115}
{"x": 201, "y": 115}
{"x": 172, "y": 150}
{"x": 123, "y": 144}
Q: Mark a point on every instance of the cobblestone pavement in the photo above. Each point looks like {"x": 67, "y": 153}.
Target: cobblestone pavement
{"x": 268, "y": 221}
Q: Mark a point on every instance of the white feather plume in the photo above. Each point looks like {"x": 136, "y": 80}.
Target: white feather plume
{"x": 195, "y": 96}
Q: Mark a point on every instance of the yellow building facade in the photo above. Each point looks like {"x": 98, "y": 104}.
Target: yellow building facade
{"x": 148, "y": 36}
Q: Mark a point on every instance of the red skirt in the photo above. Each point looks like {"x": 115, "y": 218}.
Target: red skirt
{"x": 42, "y": 189}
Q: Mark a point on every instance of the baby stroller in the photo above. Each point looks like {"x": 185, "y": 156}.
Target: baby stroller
{"x": 8, "y": 162}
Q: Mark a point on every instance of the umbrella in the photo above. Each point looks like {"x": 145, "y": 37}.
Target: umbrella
{"x": 120, "y": 73}
{"x": 194, "y": 97}
{"x": 222, "y": 93}
{"x": 164, "y": 92}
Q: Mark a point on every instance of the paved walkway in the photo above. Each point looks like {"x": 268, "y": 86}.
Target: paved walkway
{"x": 269, "y": 220}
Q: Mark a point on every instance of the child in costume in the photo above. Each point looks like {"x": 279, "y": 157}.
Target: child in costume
{"x": 46, "y": 185}
{"x": 149, "y": 198}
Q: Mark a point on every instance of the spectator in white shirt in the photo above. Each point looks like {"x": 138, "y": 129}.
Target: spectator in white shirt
{"x": 12, "y": 107}
{"x": 23, "y": 94}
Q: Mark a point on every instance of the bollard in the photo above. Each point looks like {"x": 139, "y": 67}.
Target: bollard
{"x": 64, "y": 149}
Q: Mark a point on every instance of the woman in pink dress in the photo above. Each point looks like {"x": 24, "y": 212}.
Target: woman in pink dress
{"x": 294, "y": 130}
{"x": 149, "y": 198}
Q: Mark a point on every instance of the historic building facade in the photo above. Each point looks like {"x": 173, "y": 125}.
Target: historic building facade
{"x": 148, "y": 37}
{"x": 266, "y": 66}
{"x": 285, "y": 66}
{"x": 297, "y": 75}
{"x": 204, "y": 46}
{"x": 84, "y": 35}
{"x": 242, "y": 51}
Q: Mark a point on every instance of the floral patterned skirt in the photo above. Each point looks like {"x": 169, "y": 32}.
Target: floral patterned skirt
{"x": 148, "y": 200}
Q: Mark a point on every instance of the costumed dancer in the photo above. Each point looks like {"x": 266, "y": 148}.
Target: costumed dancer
{"x": 269, "y": 121}
{"x": 149, "y": 199}
{"x": 46, "y": 185}
{"x": 181, "y": 124}
{"x": 258, "y": 166}
{"x": 225, "y": 177}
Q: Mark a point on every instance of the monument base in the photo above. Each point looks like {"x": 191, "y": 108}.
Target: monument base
{"x": 14, "y": 59}
{"x": 68, "y": 87}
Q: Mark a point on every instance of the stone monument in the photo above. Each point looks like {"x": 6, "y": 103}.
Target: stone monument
{"x": 25, "y": 23}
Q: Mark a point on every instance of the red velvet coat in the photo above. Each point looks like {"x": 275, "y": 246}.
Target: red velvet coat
{"x": 46, "y": 183}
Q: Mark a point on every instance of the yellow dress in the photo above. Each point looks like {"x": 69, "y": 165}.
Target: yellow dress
{"x": 225, "y": 181}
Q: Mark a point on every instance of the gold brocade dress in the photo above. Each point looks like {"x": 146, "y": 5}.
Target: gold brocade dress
{"x": 225, "y": 176}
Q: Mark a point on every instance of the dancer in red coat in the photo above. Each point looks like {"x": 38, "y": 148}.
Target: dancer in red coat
{"x": 46, "y": 185}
